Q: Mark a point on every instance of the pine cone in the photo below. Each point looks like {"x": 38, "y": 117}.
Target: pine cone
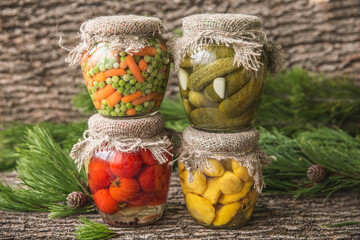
{"x": 77, "y": 200}
{"x": 317, "y": 173}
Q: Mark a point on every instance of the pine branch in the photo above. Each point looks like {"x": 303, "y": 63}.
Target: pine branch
{"x": 89, "y": 230}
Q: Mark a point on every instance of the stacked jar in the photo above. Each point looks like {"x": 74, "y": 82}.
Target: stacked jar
{"x": 126, "y": 152}
{"x": 222, "y": 61}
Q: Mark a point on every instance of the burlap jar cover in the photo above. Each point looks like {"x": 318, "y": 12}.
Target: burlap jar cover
{"x": 129, "y": 33}
{"x": 198, "y": 147}
{"x": 128, "y": 135}
{"x": 241, "y": 32}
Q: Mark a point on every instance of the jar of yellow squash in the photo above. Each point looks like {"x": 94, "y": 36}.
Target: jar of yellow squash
{"x": 221, "y": 176}
{"x": 222, "y": 61}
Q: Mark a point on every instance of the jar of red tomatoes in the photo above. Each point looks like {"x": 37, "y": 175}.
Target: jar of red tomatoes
{"x": 125, "y": 64}
{"x": 127, "y": 166}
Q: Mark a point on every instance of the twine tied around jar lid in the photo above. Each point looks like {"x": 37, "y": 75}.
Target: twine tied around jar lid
{"x": 241, "y": 32}
{"x": 125, "y": 135}
{"x": 129, "y": 33}
{"x": 198, "y": 146}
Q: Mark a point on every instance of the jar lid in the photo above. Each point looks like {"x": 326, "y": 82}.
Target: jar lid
{"x": 141, "y": 127}
{"x": 122, "y": 25}
{"x": 221, "y": 142}
{"x": 223, "y": 22}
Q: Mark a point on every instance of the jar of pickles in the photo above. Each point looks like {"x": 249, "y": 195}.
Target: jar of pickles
{"x": 222, "y": 61}
{"x": 221, "y": 176}
{"x": 127, "y": 166}
{"x": 125, "y": 64}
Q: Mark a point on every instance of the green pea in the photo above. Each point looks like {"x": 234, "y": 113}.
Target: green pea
{"x": 126, "y": 92}
{"x": 137, "y": 59}
{"x": 114, "y": 113}
{"x": 133, "y": 81}
{"x": 166, "y": 60}
{"x": 150, "y": 79}
{"x": 103, "y": 102}
{"x": 122, "y": 59}
{"x": 122, "y": 82}
{"x": 148, "y": 58}
{"x": 154, "y": 72}
{"x": 102, "y": 68}
{"x": 108, "y": 108}
{"x": 123, "y": 108}
{"x": 115, "y": 85}
{"x": 108, "y": 66}
{"x": 160, "y": 65}
{"x": 112, "y": 60}
{"x": 93, "y": 89}
{"x": 146, "y": 104}
{"x": 92, "y": 73}
{"x": 160, "y": 76}
{"x": 129, "y": 106}
{"x": 96, "y": 69}
{"x": 126, "y": 77}
{"x": 153, "y": 88}
{"x": 159, "y": 90}
{"x": 157, "y": 58}
{"x": 103, "y": 107}
{"x": 121, "y": 89}
{"x": 129, "y": 72}
{"x": 96, "y": 84}
{"x": 149, "y": 69}
{"x": 139, "y": 107}
{"x": 107, "y": 112}
{"x": 133, "y": 90}
{"x": 145, "y": 74}
{"x": 155, "y": 82}
{"x": 121, "y": 114}
{"x": 148, "y": 91}
{"x": 143, "y": 88}
{"x": 154, "y": 63}
{"x": 116, "y": 65}
{"x": 152, "y": 104}
{"x": 109, "y": 81}
{"x": 143, "y": 110}
{"x": 128, "y": 86}
{"x": 138, "y": 85}
{"x": 159, "y": 51}
{"x": 115, "y": 79}
{"x": 122, "y": 53}
{"x": 88, "y": 74}
{"x": 157, "y": 45}
{"x": 152, "y": 42}
{"x": 117, "y": 106}
{"x": 101, "y": 84}
{"x": 149, "y": 85}
{"x": 117, "y": 110}
{"x": 122, "y": 104}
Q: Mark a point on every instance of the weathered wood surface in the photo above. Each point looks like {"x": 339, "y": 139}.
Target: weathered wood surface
{"x": 275, "y": 217}
{"x": 36, "y": 85}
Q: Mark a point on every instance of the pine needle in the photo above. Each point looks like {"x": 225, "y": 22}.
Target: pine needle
{"x": 89, "y": 230}
{"x": 340, "y": 224}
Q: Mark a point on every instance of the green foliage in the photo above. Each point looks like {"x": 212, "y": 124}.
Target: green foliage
{"x": 294, "y": 99}
{"x": 47, "y": 174}
{"x": 89, "y": 230}
{"x": 84, "y": 102}
{"x": 174, "y": 114}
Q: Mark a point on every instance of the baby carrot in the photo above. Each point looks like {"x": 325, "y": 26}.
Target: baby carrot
{"x": 146, "y": 51}
{"x": 113, "y": 99}
{"x": 97, "y": 104}
{"x": 114, "y": 72}
{"x": 123, "y": 65}
{"x": 100, "y": 77}
{"x": 162, "y": 47}
{"x": 130, "y": 112}
{"x": 144, "y": 99}
{"x": 134, "y": 68}
{"x": 132, "y": 97}
{"x": 87, "y": 79}
{"x": 104, "y": 93}
{"x": 158, "y": 100}
{"x": 142, "y": 65}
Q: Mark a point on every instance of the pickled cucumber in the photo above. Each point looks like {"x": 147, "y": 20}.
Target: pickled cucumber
{"x": 187, "y": 106}
{"x": 239, "y": 102}
{"x": 212, "y": 118}
{"x": 199, "y": 100}
{"x": 205, "y": 75}
{"x": 234, "y": 81}
{"x": 186, "y": 62}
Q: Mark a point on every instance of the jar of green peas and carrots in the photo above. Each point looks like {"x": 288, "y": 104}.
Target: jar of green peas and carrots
{"x": 126, "y": 69}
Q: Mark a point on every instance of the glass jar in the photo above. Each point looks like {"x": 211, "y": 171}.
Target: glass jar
{"x": 124, "y": 84}
{"x": 220, "y": 196}
{"x": 128, "y": 188}
{"x": 217, "y": 95}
